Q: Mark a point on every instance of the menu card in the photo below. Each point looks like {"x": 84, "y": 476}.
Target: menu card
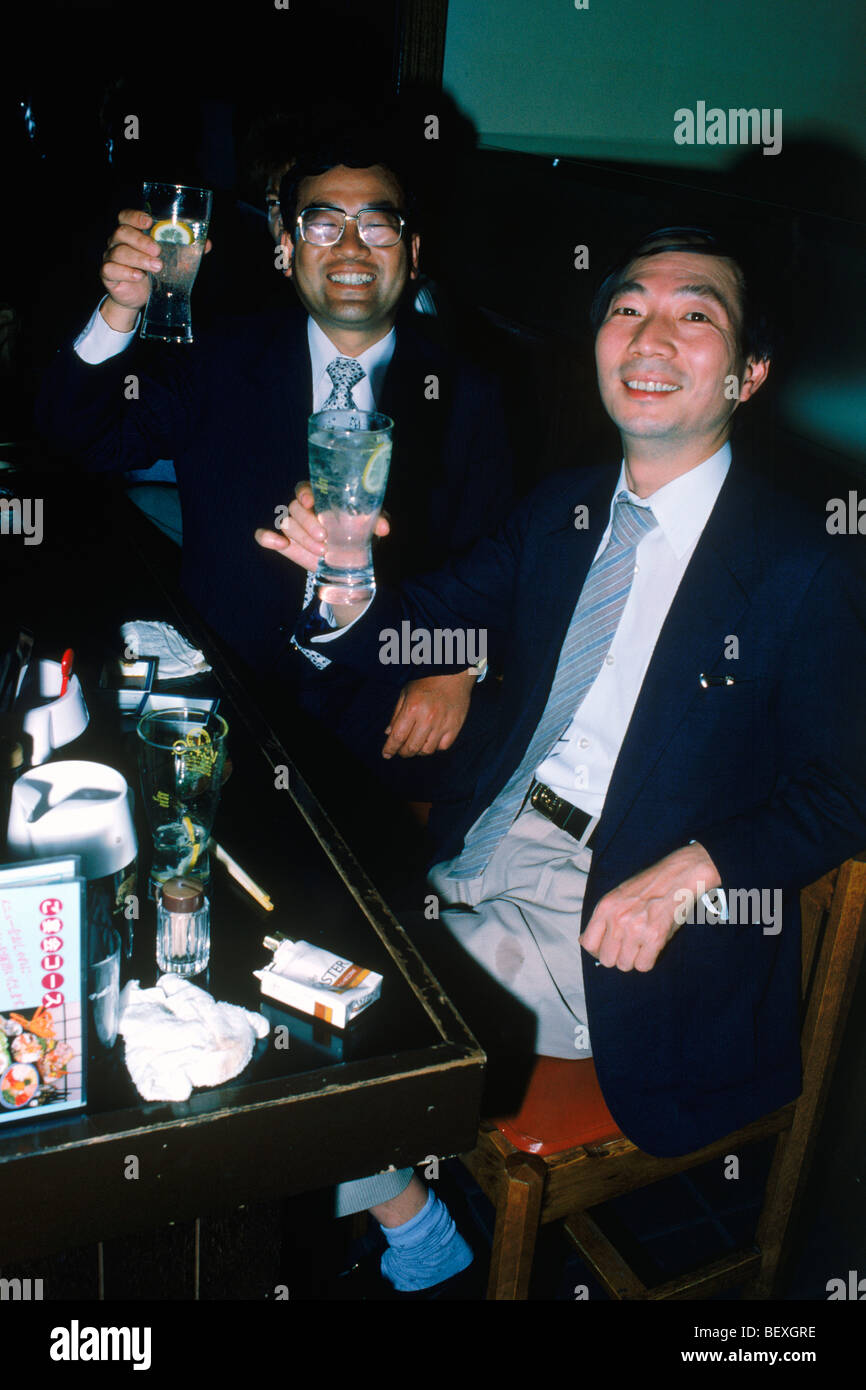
{"x": 42, "y": 1003}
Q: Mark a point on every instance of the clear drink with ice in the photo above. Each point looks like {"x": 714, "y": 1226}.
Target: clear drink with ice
{"x": 180, "y": 222}
{"x": 349, "y": 458}
{"x": 179, "y": 848}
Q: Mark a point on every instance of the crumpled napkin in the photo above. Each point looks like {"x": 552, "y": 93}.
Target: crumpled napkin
{"x": 176, "y": 657}
{"x": 177, "y": 1036}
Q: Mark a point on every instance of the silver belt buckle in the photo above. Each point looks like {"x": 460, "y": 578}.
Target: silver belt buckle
{"x": 588, "y": 832}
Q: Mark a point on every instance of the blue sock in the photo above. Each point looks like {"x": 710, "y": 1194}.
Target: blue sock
{"x": 424, "y": 1250}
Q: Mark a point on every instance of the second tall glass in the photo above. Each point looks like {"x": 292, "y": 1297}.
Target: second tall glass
{"x": 181, "y": 755}
{"x": 350, "y": 457}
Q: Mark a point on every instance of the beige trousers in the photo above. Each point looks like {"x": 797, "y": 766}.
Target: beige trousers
{"x": 520, "y": 920}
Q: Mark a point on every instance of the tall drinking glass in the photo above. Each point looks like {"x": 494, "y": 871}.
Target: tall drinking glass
{"x": 349, "y": 456}
{"x": 181, "y": 757}
{"x": 180, "y": 222}
{"x": 103, "y": 986}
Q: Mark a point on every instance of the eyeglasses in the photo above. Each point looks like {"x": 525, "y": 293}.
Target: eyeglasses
{"x": 376, "y": 226}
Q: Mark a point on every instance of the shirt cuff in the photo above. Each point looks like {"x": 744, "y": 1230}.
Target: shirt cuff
{"x": 715, "y": 905}
{"x": 715, "y": 902}
{"x": 326, "y": 612}
{"x": 98, "y": 341}
{"x": 309, "y": 627}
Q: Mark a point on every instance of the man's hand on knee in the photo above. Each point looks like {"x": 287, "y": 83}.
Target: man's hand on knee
{"x": 631, "y": 925}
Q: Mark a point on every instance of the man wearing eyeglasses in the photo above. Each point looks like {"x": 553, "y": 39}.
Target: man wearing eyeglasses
{"x": 348, "y": 256}
{"x": 232, "y": 413}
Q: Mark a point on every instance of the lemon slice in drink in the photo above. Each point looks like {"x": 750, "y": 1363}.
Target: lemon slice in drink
{"x": 375, "y": 475}
{"x": 180, "y": 233}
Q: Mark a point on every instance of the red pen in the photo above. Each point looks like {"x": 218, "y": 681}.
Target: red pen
{"x": 65, "y": 667}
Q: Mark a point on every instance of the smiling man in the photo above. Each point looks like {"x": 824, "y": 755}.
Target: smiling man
{"x": 232, "y": 410}
{"x": 681, "y": 718}
{"x": 669, "y": 345}
{"x": 351, "y": 249}
{"x": 348, "y": 256}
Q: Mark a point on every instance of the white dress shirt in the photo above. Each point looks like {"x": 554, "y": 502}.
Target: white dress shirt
{"x": 98, "y": 341}
{"x": 580, "y": 765}
{"x": 374, "y": 361}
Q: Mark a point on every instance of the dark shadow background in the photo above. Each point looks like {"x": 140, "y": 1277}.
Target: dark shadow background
{"x": 200, "y": 82}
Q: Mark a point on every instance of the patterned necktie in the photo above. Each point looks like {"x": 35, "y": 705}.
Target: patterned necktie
{"x": 587, "y": 642}
{"x": 345, "y": 373}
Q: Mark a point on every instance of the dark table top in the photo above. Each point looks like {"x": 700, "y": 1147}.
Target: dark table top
{"x": 315, "y": 1105}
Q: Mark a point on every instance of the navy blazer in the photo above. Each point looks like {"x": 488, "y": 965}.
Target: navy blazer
{"x": 232, "y": 412}
{"x": 768, "y": 773}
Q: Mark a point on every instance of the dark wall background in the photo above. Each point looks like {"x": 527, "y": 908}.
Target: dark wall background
{"x": 198, "y": 78}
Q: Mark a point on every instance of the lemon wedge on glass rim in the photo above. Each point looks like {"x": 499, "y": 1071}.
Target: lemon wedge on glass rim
{"x": 180, "y": 233}
{"x": 375, "y": 474}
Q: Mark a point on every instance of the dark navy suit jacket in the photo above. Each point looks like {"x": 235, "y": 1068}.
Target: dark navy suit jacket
{"x": 768, "y": 773}
{"x": 232, "y": 412}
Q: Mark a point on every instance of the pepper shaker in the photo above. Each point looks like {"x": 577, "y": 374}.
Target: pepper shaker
{"x": 182, "y": 927}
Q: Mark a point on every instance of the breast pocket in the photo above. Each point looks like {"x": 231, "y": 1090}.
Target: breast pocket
{"x": 726, "y": 725}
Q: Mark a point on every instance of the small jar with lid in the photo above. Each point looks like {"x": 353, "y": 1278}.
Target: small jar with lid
{"x": 182, "y": 927}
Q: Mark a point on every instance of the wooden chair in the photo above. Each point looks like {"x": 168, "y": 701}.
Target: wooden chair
{"x": 581, "y": 1161}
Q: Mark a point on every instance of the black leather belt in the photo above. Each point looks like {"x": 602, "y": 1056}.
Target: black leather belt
{"x": 562, "y": 813}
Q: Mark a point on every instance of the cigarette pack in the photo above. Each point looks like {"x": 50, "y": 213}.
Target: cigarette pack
{"x": 317, "y": 982}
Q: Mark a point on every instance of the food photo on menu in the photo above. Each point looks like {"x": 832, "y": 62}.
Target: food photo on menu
{"x": 42, "y": 1027}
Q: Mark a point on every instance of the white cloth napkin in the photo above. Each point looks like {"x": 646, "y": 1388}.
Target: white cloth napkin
{"x": 177, "y": 1036}
{"x": 176, "y": 657}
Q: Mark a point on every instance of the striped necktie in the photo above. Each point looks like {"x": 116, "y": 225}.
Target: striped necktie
{"x": 587, "y": 642}
{"x": 345, "y": 373}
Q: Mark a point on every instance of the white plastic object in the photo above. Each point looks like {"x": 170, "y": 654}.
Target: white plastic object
{"x": 59, "y": 720}
{"x": 73, "y": 808}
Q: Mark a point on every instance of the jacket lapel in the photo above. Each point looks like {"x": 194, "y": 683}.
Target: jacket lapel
{"x": 713, "y": 594}
{"x": 418, "y": 422}
{"x": 292, "y": 383}
{"x": 563, "y": 560}
{"x": 547, "y": 594}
